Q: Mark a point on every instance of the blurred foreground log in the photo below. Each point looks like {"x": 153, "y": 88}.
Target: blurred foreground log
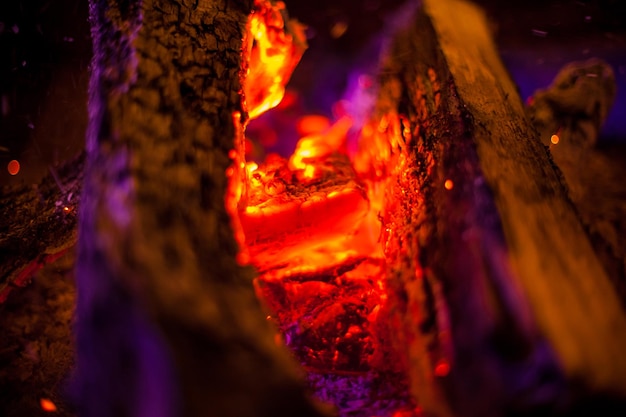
{"x": 509, "y": 312}
{"x": 168, "y": 322}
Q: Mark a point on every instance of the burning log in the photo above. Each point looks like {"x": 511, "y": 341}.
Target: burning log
{"x": 500, "y": 301}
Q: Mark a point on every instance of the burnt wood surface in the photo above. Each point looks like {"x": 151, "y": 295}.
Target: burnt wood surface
{"x": 508, "y": 291}
{"x": 168, "y": 322}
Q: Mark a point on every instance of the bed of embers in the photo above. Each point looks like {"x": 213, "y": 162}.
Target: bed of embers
{"x": 312, "y": 230}
{"x": 310, "y": 224}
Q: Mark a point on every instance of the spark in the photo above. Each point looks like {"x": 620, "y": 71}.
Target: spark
{"x": 338, "y": 29}
{"x": 442, "y": 368}
{"x": 47, "y": 405}
{"x": 448, "y": 185}
{"x": 554, "y": 139}
{"x": 13, "y": 167}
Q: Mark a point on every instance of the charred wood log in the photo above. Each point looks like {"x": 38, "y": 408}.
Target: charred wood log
{"x": 168, "y": 322}
{"x": 38, "y": 223}
{"x": 502, "y": 305}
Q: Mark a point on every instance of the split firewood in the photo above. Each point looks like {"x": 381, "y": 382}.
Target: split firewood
{"x": 501, "y": 304}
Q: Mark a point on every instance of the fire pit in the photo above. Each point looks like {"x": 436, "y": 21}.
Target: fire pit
{"x": 421, "y": 257}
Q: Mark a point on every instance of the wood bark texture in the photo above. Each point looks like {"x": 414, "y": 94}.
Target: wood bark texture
{"x": 509, "y": 310}
{"x": 168, "y": 322}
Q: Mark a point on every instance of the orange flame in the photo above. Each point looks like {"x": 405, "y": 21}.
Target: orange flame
{"x": 275, "y": 47}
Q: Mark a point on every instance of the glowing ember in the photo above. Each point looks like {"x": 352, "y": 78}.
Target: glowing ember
{"x": 312, "y": 124}
{"x": 554, "y": 139}
{"x": 442, "y": 368}
{"x": 311, "y": 226}
{"x": 338, "y": 29}
{"x": 282, "y": 201}
{"x": 47, "y": 405}
{"x": 328, "y": 317}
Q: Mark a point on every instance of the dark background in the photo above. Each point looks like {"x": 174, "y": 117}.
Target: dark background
{"x": 45, "y": 52}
